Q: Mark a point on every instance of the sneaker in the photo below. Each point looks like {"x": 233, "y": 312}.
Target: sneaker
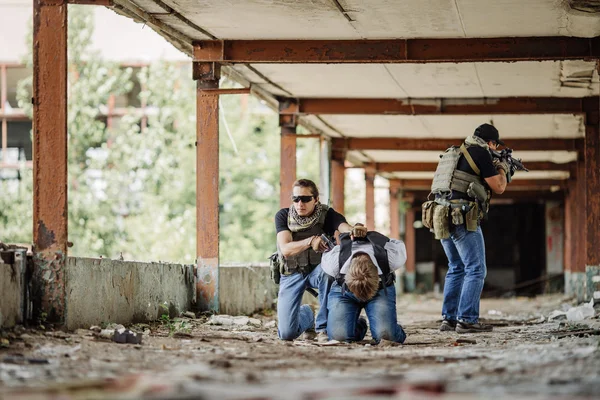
{"x": 309, "y": 334}
{"x": 362, "y": 321}
{"x": 463, "y": 327}
{"x": 448, "y": 325}
{"x": 322, "y": 337}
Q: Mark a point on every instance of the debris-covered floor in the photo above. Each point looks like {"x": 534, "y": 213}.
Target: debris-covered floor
{"x": 526, "y": 355}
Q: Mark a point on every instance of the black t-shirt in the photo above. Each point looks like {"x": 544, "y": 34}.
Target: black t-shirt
{"x": 483, "y": 160}
{"x": 333, "y": 220}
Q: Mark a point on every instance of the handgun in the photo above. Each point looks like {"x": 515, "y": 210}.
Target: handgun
{"x": 327, "y": 241}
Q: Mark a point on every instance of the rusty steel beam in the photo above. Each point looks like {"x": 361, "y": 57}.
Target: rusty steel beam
{"x": 3, "y": 96}
{"x": 105, "y": 3}
{"x": 430, "y": 167}
{"x": 227, "y": 91}
{"x": 446, "y": 106}
{"x": 532, "y": 195}
{"x": 515, "y": 184}
{"x": 207, "y": 195}
{"x": 592, "y": 195}
{"x": 394, "y": 210}
{"x": 370, "y": 197}
{"x": 338, "y": 180}
{"x": 398, "y": 50}
{"x": 385, "y": 143}
{"x": 50, "y": 157}
{"x": 410, "y": 238}
{"x": 287, "y": 172}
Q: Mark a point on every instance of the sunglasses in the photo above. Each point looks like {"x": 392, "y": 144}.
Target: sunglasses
{"x": 304, "y": 199}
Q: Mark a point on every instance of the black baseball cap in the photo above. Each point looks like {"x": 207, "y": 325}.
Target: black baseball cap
{"x": 488, "y": 133}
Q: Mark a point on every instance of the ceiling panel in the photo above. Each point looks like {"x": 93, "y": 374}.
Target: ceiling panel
{"x": 434, "y": 156}
{"x": 334, "y": 80}
{"x": 453, "y": 126}
{"x": 437, "y": 80}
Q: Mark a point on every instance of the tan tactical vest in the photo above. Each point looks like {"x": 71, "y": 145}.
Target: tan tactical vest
{"x": 447, "y": 177}
{"x": 307, "y": 260}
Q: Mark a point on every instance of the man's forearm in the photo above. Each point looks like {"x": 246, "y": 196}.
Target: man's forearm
{"x": 345, "y": 227}
{"x": 503, "y": 181}
{"x": 293, "y": 248}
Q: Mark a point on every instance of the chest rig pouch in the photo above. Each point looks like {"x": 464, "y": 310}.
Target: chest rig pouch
{"x": 308, "y": 260}
{"x": 439, "y": 214}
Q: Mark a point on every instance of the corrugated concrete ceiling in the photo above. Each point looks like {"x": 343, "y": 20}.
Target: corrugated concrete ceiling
{"x": 391, "y": 19}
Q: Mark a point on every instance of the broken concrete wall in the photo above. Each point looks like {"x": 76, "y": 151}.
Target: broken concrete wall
{"x": 103, "y": 290}
{"x": 575, "y": 285}
{"x": 245, "y": 289}
{"x": 12, "y": 290}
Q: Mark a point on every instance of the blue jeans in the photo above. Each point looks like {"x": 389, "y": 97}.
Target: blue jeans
{"x": 294, "y": 318}
{"x": 344, "y": 310}
{"x": 466, "y": 272}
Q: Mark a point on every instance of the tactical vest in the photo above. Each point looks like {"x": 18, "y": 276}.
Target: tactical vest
{"x": 306, "y": 261}
{"x": 378, "y": 242}
{"x": 448, "y": 178}
{"x": 438, "y": 213}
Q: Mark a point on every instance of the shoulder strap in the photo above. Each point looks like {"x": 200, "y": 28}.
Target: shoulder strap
{"x": 345, "y": 248}
{"x": 378, "y": 242}
{"x": 472, "y": 164}
{"x": 324, "y": 210}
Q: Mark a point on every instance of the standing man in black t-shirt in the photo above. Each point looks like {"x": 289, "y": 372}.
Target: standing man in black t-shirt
{"x": 299, "y": 229}
{"x": 465, "y": 248}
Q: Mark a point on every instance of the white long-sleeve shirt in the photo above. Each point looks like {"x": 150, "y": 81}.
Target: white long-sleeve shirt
{"x": 396, "y": 252}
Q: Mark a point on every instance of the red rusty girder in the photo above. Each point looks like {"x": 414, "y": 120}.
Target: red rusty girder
{"x": 105, "y": 3}
{"x": 385, "y": 143}
{"x": 207, "y": 195}
{"x": 592, "y": 195}
{"x": 50, "y": 157}
{"x": 446, "y": 106}
{"x": 515, "y": 184}
{"x": 398, "y": 50}
{"x": 534, "y": 194}
{"x": 430, "y": 166}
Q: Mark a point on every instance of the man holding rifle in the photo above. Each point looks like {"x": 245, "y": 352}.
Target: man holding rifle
{"x": 300, "y": 246}
{"x": 462, "y": 187}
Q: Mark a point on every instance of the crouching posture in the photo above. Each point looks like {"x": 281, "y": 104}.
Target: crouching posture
{"x": 363, "y": 269}
{"x": 299, "y": 244}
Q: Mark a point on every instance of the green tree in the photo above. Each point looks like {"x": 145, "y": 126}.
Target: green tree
{"x": 90, "y": 82}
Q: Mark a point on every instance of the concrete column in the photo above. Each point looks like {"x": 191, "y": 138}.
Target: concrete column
{"x": 287, "y": 171}
{"x": 592, "y": 179}
{"x": 370, "y": 197}
{"x": 325, "y": 170}
{"x": 3, "y": 96}
{"x": 569, "y": 245}
{"x": 394, "y": 210}
{"x": 577, "y": 275}
{"x": 207, "y": 187}
{"x": 338, "y": 180}
{"x": 411, "y": 247}
{"x": 49, "y": 157}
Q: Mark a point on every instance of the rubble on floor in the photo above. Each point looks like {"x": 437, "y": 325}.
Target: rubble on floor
{"x": 528, "y": 354}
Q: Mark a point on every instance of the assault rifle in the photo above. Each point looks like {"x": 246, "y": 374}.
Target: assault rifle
{"x": 515, "y": 164}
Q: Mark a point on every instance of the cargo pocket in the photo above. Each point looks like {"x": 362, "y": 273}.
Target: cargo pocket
{"x": 440, "y": 222}
{"x": 427, "y": 214}
{"x": 472, "y": 218}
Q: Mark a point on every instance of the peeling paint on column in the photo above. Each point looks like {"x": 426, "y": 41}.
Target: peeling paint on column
{"x": 49, "y": 158}
{"x": 207, "y": 284}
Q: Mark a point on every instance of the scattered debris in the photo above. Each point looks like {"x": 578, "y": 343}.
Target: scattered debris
{"x": 120, "y": 336}
{"x": 271, "y": 324}
{"x": 22, "y": 360}
{"x": 189, "y": 314}
{"x": 468, "y": 341}
{"x": 581, "y": 312}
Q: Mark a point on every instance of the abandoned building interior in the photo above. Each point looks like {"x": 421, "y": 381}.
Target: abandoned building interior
{"x": 385, "y": 86}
